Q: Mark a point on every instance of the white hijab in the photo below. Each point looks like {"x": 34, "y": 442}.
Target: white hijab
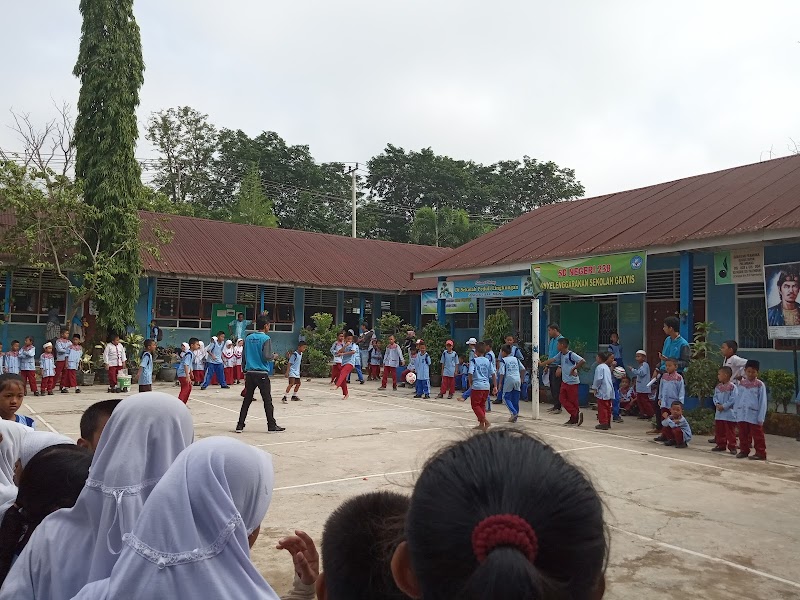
{"x": 37, "y": 441}
{"x": 78, "y": 545}
{"x": 13, "y": 435}
{"x": 191, "y": 539}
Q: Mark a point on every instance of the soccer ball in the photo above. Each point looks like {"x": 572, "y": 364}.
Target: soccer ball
{"x": 619, "y": 372}
{"x": 411, "y": 378}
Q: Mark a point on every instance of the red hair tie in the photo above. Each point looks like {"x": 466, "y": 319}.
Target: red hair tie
{"x": 504, "y": 530}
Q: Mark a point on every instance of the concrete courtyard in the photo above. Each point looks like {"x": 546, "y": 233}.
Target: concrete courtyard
{"x": 683, "y": 523}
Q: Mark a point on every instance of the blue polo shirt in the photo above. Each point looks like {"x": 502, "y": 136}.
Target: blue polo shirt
{"x": 253, "y": 349}
{"x": 146, "y": 378}
{"x": 552, "y": 350}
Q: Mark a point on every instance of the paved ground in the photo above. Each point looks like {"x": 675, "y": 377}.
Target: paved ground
{"x": 685, "y": 523}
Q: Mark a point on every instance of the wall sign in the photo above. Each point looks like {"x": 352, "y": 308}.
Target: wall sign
{"x": 742, "y": 265}
{"x": 624, "y": 273}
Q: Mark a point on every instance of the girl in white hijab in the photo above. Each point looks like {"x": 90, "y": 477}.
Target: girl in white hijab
{"x": 11, "y": 438}
{"x": 194, "y": 535}
{"x": 75, "y": 546}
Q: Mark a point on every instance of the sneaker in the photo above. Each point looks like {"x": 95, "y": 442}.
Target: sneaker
{"x": 36, "y": 394}
{"x": 427, "y": 396}
{"x": 603, "y": 426}
{"x": 77, "y": 390}
{"x": 296, "y": 399}
{"x": 360, "y": 382}
{"x": 513, "y": 418}
{"x": 64, "y": 391}
{"x": 570, "y": 423}
{"x": 275, "y": 429}
{"x": 618, "y": 420}
{"x": 203, "y": 387}
{"x": 660, "y": 438}
{"x": 669, "y": 443}
{"x": 417, "y": 395}
{"x": 733, "y": 451}
{"x": 580, "y": 419}
{"x": 712, "y": 441}
{"x": 683, "y": 445}
{"x": 239, "y": 428}
{"x": 450, "y": 397}
{"x": 285, "y": 400}
{"x": 225, "y": 387}
{"x": 741, "y": 455}
{"x": 439, "y": 396}
{"x": 497, "y": 401}
{"x": 551, "y": 409}
{"x": 718, "y": 449}
{"x": 382, "y": 388}
{"x": 757, "y": 457}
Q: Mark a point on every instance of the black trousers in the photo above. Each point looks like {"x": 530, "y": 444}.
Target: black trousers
{"x": 260, "y": 380}
{"x": 555, "y": 386}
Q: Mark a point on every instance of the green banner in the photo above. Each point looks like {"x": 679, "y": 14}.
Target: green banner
{"x": 723, "y": 273}
{"x": 624, "y": 273}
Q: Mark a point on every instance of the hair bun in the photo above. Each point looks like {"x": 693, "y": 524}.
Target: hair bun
{"x": 504, "y": 530}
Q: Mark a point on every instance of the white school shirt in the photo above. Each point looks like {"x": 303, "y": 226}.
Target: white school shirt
{"x": 114, "y": 356}
{"x": 736, "y": 363}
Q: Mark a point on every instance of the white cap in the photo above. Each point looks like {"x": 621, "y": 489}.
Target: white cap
{"x": 641, "y": 352}
{"x": 420, "y": 341}
{"x": 47, "y": 345}
{"x": 471, "y": 341}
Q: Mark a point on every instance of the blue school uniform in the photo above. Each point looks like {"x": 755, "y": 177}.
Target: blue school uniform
{"x": 481, "y": 370}
{"x": 214, "y": 365}
{"x": 422, "y": 367}
{"x": 682, "y": 424}
{"x": 568, "y": 362}
{"x": 725, "y": 396}
{"x": 146, "y": 377}
{"x": 27, "y": 358}
{"x": 375, "y": 357}
{"x": 12, "y": 362}
{"x": 23, "y": 420}
{"x": 512, "y": 382}
{"x": 449, "y": 362}
{"x": 186, "y": 361}
{"x": 642, "y": 374}
{"x": 74, "y": 357}
{"x": 751, "y": 402}
{"x": 602, "y": 384}
{"x": 294, "y": 364}
{"x": 48, "y": 364}
{"x": 671, "y": 389}
{"x": 461, "y": 377}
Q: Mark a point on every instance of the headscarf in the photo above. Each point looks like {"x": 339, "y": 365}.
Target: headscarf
{"x": 191, "y": 539}
{"x": 36, "y": 441}
{"x": 10, "y": 448}
{"x": 78, "y": 545}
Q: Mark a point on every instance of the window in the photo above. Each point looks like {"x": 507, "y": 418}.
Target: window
{"x": 318, "y": 301}
{"x": 466, "y": 320}
{"x": 666, "y": 285}
{"x": 247, "y": 295}
{"x": 751, "y": 316}
{"x": 33, "y": 294}
{"x": 186, "y": 302}
{"x": 608, "y": 322}
{"x": 518, "y": 310}
{"x": 279, "y": 304}
{"x": 399, "y": 305}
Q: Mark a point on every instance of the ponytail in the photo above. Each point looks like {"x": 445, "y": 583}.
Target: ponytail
{"x": 14, "y": 533}
{"x": 506, "y": 573}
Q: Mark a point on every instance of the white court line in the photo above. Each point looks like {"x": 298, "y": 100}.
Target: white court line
{"x": 343, "y": 412}
{"x": 707, "y": 557}
{"x": 409, "y": 408}
{"x": 38, "y": 416}
{"x": 280, "y": 443}
{"x": 359, "y": 436}
{"x": 226, "y": 408}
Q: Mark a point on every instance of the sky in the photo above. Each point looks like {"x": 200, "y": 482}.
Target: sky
{"x": 626, "y": 92}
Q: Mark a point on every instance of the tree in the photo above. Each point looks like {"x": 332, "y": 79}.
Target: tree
{"x": 187, "y": 143}
{"x": 252, "y": 204}
{"x": 111, "y": 71}
{"x": 446, "y": 227}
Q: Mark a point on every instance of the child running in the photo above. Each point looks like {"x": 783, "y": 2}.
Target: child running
{"x": 725, "y": 412}
{"x": 12, "y": 395}
{"x": 336, "y": 348}
{"x": 751, "y": 410}
{"x": 347, "y": 354}
{"x": 27, "y": 365}
{"x": 293, "y": 372}
{"x": 421, "y": 365}
{"x": 47, "y": 362}
{"x": 392, "y": 359}
{"x": 603, "y": 387}
{"x": 675, "y": 429}
{"x": 513, "y": 372}
{"x": 449, "y": 362}
{"x": 482, "y": 381}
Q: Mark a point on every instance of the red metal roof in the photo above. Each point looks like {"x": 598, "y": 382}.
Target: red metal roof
{"x": 220, "y": 250}
{"x": 753, "y": 198}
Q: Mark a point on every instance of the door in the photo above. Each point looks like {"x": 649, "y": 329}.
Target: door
{"x": 656, "y": 312}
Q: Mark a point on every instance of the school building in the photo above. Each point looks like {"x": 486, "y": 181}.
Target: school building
{"x": 698, "y": 248}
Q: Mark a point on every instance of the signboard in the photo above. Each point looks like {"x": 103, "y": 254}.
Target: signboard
{"x": 488, "y": 287}
{"x": 742, "y": 265}
{"x": 452, "y": 305}
{"x": 624, "y": 273}
{"x": 781, "y": 288}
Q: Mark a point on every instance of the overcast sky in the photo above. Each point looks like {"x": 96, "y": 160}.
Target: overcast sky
{"x": 626, "y": 92}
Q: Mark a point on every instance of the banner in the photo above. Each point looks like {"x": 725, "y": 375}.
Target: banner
{"x": 452, "y": 305}
{"x": 742, "y": 265}
{"x": 624, "y": 273}
{"x": 781, "y": 288}
{"x": 487, "y": 287}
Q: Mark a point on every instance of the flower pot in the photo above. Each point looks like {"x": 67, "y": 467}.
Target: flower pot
{"x": 436, "y": 380}
{"x": 168, "y": 373}
{"x": 782, "y": 424}
{"x": 85, "y": 379}
{"x": 100, "y": 376}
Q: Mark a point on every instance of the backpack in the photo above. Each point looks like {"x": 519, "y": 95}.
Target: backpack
{"x": 159, "y": 334}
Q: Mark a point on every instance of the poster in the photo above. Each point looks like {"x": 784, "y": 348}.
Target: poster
{"x": 781, "y": 288}
{"x": 624, "y": 273}
{"x": 487, "y": 287}
{"x": 742, "y": 265}
{"x": 452, "y": 306}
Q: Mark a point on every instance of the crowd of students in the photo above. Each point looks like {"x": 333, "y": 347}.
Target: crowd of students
{"x": 138, "y": 509}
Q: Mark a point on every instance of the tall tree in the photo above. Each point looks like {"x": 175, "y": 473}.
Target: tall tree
{"x": 446, "y": 227}
{"x": 111, "y": 72}
{"x": 252, "y": 204}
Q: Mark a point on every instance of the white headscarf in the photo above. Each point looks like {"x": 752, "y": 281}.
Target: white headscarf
{"x": 191, "y": 539}
{"x": 13, "y": 435}
{"x": 36, "y": 441}
{"x": 78, "y": 545}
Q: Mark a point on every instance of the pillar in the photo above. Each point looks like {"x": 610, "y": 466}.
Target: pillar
{"x": 687, "y": 296}
{"x": 151, "y": 299}
{"x": 441, "y": 304}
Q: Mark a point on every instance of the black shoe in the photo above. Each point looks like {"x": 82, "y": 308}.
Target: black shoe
{"x": 276, "y": 429}
{"x": 570, "y": 422}
{"x": 660, "y": 438}
{"x": 382, "y": 388}
{"x": 64, "y": 391}
{"x": 296, "y": 399}
{"x": 741, "y": 455}
{"x": 618, "y": 420}
{"x": 718, "y": 449}
{"x": 361, "y": 382}
{"x": 225, "y": 387}
{"x": 49, "y": 392}
{"x": 669, "y": 443}
{"x": 683, "y": 445}
{"x": 556, "y": 411}
{"x": 36, "y": 394}
{"x": 285, "y": 400}
{"x": 603, "y": 426}
{"x": 497, "y": 401}
{"x": 427, "y": 397}
{"x": 439, "y": 395}
{"x": 394, "y": 388}
{"x": 77, "y": 390}
{"x": 580, "y": 419}
{"x": 757, "y": 457}
{"x": 239, "y": 428}
{"x": 203, "y": 387}
{"x": 417, "y": 395}
{"x": 712, "y": 441}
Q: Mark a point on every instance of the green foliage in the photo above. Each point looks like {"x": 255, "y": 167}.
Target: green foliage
{"x": 701, "y": 420}
{"x": 446, "y": 227}
{"x": 324, "y": 333}
{"x": 701, "y": 374}
{"x": 111, "y": 71}
{"x": 318, "y": 362}
{"x": 134, "y": 345}
{"x": 579, "y": 347}
{"x": 496, "y": 327}
{"x": 389, "y": 324}
{"x": 252, "y": 205}
{"x": 435, "y": 335}
{"x": 780, "y": 385}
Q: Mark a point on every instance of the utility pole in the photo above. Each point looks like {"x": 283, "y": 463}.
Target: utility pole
{"x": 352, "y": 172}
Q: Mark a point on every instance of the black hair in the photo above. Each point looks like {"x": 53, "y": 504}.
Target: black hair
{"x": 302, "y": 343}
{"x": 564, "y": 341}
{"x": 506, "y": 348}
{"x": 239, "y": 313}
{"x": 732, "y": 345}
{"x": 220, "y": 332}
{"x": 677, "y": 403}
{"x": 488, "y": 344}
{"x": 113, "y": 336}
{"x": 92, "y": 415}
{"x": 64, "y": 330}
{"x": 7, "y": 378}
{"x": 14, "y": 342}
{"x": 358, "y": 543}
{"x": 480, "y": 348}
{"x": 603, "y": 356}
{"x": 727, "y": 370}
{"x": 787, "y": 275}
{"x": 193, "y": 340}
{"x": 752, "y": 364}
{"x": 261, "y": 322}
{"x": 555, "y": 327}
{"x": 77, "y": 335}
{"x": 669, "y": 359}
{"x": 466, "y": 483}
{"x": 28, "y": 337}
{"x": 147, "y": 342}
{"x": 51, "y": 480}
{"x": 672, "y": 323}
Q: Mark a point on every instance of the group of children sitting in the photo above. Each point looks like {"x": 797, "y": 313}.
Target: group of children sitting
{"x": 164, "y": 516}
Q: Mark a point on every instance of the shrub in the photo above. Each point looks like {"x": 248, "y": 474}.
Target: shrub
{"x": 389, "y": 324}
{"x": 780, "y": 385}
{"x": 323, "y": 335}
{"x": 701, "y": 374}
{"x": 701, "y": 420}
{"x": 496, "y": 327}
{"x": 435, "y": 335}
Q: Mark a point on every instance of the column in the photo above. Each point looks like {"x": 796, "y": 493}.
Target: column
{"x": 687, "y": 296}
{"x": 441, "y": 314}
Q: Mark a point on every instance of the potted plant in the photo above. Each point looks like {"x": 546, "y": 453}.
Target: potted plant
{"x": 86, "y": 369}
{"x": 280, "y": 363}
{"x": 780, "y": 388}
{"x": 168, "y": 370}
{"x": 701, "y": 374}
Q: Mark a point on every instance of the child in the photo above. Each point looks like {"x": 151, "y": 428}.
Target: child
{"x": 392, "y": 358}
{"x": 74, "y": 356}
{"x": 146, "y": 366}
{"x": 642, "y": 374}
{"x": 485, "y": 535}
{"x": 570, "y": 366}
{"x": 676, "y": 430}
{"x": 357, "y": 365}
{"x": 27, "y": 365}
{"x": 463, "y": 372}
{"x": 515, "y": 353}
{"x": 725, "y": 415}
{"x": 736, "y": 363}
{"x": 627, "y": 397}
{"x": 293, "y": 372}
{"x": 482, "y": 381}
{"x": 12, "y": 395}
{"x": 472, "y": 343}
{"x": 670, "y": 389}
{"x": 751, "y": 409}
{"x": 185, "y": 372}
{"x": 62, "y": 346}
{"x": 215, "y": 369}
{"x": 615, "y": 348}
{"x": 513, "y": 371}
{"x": 47, "y": 362}
{"x": 238, "y": 352}
{"x": 94, "y": 420}
{"x": 115, "y": 359}
{"x": 449, "y": 362}
{"x": 199, "y": 364}
{"x": 347, "y": 354}
{"x": 336, "y": 348}
{"x": 493, "y": 359}
{"x": 12, "y": 358}
{"x": 375, "y": 360}
{"x": 603, "y": 387}
{"x": 421, "y": 364}
{"x": 228, "y": 360}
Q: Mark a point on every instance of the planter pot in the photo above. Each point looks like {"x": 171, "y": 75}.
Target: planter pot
{"x": 85, "y": 379}
{"x": 168, "y": 374}
{"x": 782, "y": 424}
{"x": 583, "y": 394}
{"x": 101, "y": 376}
{"x": 436, "y": 380}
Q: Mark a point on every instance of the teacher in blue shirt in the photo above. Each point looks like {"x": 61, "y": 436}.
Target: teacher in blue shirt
{"x": 238, "y": 326}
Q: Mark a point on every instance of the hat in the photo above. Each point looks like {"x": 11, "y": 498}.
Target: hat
{"x": 420, "y": 341}
{"x": 448, "y": 343}
{"x": 47, "y": 345}
{"x": 641, "y": 352}
{"x": 471, "y": 341}
{"x": 410, "y": 331}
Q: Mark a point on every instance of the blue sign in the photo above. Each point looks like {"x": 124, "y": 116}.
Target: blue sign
{"x": 486, "y": 287}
